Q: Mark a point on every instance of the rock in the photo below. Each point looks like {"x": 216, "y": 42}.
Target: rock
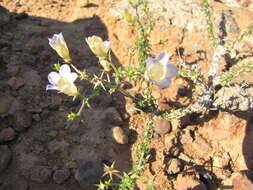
{"x": 60, "y": 176}
{"x": 174, "y": 166}
{"x": 41, "y": 174}
{"x": 13, "y": 69}
{"x": 16, "y": 82}
{"x": 55, "y": 146}
{"x": 162, "y": 126}
{"x": 189, "y": 182}
{"x": 119, "y": 135}
{"x": 36, "y": 117}
{"x": 112, "y": 116}
{"x": 182, "y": 91}
{"x": 4, "y": 16}
{"x": 7, "y": 134}
{"x": 32, "y": 78}
{"x": 130, "y": 107}
{"x": 239, "y": 181}
{"x": 23, "y": 120}
{"x": 5, "y": 157}
{"x": 87, "y": 175}
{"x": 5, "y": 104}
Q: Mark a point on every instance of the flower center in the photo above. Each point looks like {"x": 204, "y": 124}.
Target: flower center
{"x": 157, "y": 72}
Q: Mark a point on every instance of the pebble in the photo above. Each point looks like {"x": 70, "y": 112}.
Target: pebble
{"x": 13, "y": 69}
{"x": 182, "y": 91}
{"x": 87, "y": 175}
{"x": 16, "y": 82}
{"x": 5, "y": 157}
{"x": 112, "y": 116}
{"x": 5, "y": 104}
{"x": 23, "y": 120}
{"x": 41, "y": 174}
{"x": 162, "y": 126}
{"x": 174, "y": 166}
{"x": 7, "y": 134}
{"x": 119, "y": 135}
{"x": 36, "y": 117}
{"x": 60, "y": 176}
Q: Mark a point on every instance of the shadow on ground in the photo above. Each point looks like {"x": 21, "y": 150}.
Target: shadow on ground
{"x": 44, "y": 151}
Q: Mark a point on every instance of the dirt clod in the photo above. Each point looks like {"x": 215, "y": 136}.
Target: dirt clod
{"x": 162, "y": 126}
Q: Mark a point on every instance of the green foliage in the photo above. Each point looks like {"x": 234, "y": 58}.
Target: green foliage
{"x": 209, "y": 22}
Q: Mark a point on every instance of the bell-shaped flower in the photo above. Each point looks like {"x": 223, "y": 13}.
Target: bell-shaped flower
{"x": 99, "y": 47}
{"x": 58, "y": 43}
{"x": 63, "y": 81}
{"x": 159, "y": 71}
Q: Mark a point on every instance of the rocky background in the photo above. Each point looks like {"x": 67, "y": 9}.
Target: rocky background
{"x": 41, "y": 150}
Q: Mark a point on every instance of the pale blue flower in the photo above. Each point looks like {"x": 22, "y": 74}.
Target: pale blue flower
{"x": 63, "y": 81}
{"x": 159, "y": 71}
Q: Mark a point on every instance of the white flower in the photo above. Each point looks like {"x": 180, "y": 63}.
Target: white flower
{"x": 63, "y": 81}
{"x": 159, "y": 71}
{"x": 58, "y": 43}
{"x": 99, "y": 47}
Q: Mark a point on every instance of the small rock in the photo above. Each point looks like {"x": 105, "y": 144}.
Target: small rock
{"x": 36, "y": 117}
{"x": 61, "y": 175}
{"x": 16, "y": 82}
{"x": 182, "y": 91}
{"x": 174, "y": 166}
{"x": 5, "y": 157}
{"x": 71, "y": 165}
{"x": 112, "y": 116}
{"x": 23, "y": 120}
{"x": 189, "y": 182}
{"x": 32, "y": 78}
{"x": 87, "y": 175}
{"x": 5, "y": 104}
{"x": 7, "y": 134}
{"x": 41, "y": 174}
{"x": 162, "y": 126}
{"x": 13, "y": 69}
{"x": 55, "y": 146}
{"x": 119, "y": 135}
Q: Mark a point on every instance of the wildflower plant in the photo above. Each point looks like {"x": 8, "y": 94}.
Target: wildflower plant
{"x": 155, "y": 70}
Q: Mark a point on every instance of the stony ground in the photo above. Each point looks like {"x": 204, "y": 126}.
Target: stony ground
{"x": 40, "y": 150}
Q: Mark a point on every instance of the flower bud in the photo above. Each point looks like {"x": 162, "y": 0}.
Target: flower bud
{"x": 58, "y": 43}
{"x": 99, "y": 47}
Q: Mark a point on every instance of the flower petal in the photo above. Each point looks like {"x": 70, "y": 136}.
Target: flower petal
{"x": 64, "y": 70}
{"x": 163, "y": 58}
{"x": 72, "y": 76}
{"x": 149, "y": 62}
{"x": 172, "y": 71}
{"x": 53, "y": 77}
{"x": 107, "y": 45}
{"x": 164, "y": 83}
{"x": 51, "y": 87}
